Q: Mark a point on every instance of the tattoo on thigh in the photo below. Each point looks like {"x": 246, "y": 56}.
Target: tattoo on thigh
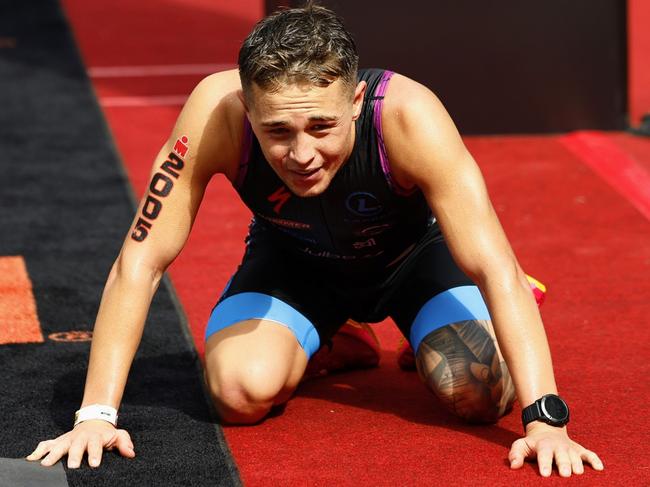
{"x": 462, "y": 365}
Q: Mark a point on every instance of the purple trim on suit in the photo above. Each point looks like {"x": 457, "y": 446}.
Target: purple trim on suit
{"x": 383, "y": 156}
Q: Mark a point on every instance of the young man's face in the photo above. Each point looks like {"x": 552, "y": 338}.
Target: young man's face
{"x": 306, "y": 132}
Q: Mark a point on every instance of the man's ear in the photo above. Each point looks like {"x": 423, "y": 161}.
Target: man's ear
{"x": 357, "y": 102}
{"x": 242, "y": 98}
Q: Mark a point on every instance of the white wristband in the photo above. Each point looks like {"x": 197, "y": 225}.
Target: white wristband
{"x": 96, "y": 411}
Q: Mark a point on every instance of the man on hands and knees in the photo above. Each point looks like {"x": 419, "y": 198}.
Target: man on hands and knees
{"x": 366, "y": 204}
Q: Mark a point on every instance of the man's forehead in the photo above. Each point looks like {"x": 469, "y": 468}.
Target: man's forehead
{"x": 300, "y": 92}
{"x": 280, "y": 122}
{"x": 314, "y": 102}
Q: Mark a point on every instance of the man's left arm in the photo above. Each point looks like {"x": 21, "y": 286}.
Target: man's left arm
{"x": 425, "y": 150}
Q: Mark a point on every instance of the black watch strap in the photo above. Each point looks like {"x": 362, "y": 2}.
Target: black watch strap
{"x": 550, "y": 409}
{"x": 531, "y": 413}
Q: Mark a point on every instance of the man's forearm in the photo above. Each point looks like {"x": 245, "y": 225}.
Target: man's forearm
{"x": 117, "y": 333}
{"x": 521, "y": 336}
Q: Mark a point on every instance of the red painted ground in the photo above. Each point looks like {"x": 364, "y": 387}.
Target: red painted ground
{"x": 380, "y": 427}
{"x": 19, "y": 321}
{"x": 639, "y": 59}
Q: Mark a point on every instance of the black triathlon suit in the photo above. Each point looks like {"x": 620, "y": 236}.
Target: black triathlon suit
{"x": 363, "y": 249}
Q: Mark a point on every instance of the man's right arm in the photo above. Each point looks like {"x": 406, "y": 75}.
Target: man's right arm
{"x": 204, "y": 141}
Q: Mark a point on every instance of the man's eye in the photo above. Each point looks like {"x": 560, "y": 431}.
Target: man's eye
{"x": 319, "y": 128}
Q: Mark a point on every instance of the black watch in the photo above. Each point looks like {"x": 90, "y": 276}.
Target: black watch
{"x": 549, "y": 408}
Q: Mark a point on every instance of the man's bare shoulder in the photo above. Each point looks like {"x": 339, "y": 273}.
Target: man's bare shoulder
{"x": 227, "y": 77}
{"x": 215, "y": 93}
{"x": 418, "y": 134}
{"x": 214, "y": 114}
{"x": 407, "y": 101}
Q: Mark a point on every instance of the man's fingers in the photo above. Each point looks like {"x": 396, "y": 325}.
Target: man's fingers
{"x": 122, "y": 441}
{"x": 95, "y": 451}
{"x": 592, "y": 458}
{"x": 76, "y": 452}
{"x": 57, "y": 451}
{"x": 576, "y": 462}
{"x": 563, "y": 462}
{"x": 518, "y": 453}
{"x": 41, "y": 449}
{"x": 92, "y": 437}
{"x": 124, "y": 444}
{"x": 552, "y": 445}
{"x": 544, "y": 458}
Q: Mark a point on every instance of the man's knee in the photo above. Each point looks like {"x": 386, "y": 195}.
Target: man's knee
{"x": 250, "y": 367}
{"x": 478, "y": 395}
{"x": 245, "y": 395}
{"x": 461, "y": 364}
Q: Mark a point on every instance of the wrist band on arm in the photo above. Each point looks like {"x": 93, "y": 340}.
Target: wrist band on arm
{"x": 96, "y": 411}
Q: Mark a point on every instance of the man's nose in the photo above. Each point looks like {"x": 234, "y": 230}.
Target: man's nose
{"x": 302, "y": 150}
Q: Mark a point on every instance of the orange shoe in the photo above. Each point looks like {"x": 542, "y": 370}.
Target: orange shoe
{"x": 354, "y": 346}
{"x": 405, "y": 355}
{"x": 539, "y": 290}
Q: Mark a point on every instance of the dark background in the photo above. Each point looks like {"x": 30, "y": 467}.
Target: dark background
{"x": 501, "y": 67}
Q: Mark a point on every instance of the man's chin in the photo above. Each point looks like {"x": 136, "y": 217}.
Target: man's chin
{"x": 309, "y": 190}
{"x": 306, "y": 192}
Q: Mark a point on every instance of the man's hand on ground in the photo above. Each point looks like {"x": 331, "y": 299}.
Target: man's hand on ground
{"x": 551, "y": 444}
{"x": 91, "y": 436}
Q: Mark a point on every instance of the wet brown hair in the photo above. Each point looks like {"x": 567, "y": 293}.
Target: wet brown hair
{"x": 308, "y": 44}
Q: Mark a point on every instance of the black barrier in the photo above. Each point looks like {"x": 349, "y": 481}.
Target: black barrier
{"x": 502, "y": 67}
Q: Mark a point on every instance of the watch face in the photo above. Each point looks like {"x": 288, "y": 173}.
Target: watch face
{"x": 555, "y": 408}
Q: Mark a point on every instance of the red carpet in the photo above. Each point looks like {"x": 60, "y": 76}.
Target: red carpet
{"x": 613, "y": 165}
{"x": 570, "y": 229}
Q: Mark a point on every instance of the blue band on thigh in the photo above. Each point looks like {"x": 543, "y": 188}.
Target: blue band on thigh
{"x": 457, "y": 304}
{"x": 251, "y": 306}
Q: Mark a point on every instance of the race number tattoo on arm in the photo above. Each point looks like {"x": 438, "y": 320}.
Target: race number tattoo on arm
{"x": 160, "y": 186}
{"x": 461, "y": 364}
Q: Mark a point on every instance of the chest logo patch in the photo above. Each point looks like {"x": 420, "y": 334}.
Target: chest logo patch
{"x": 363, "y": 204}
{"x": 279, "y": 197}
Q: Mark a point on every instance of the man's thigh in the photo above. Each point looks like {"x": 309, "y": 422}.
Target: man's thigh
{"x": 446, "y": 320}
{"x": 274, "y": 285}
{"x": 431, "y": 291}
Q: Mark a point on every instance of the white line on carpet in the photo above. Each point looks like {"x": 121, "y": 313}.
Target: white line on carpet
{"x": 156, "y": 70}
{"x": 142, "y": 101}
